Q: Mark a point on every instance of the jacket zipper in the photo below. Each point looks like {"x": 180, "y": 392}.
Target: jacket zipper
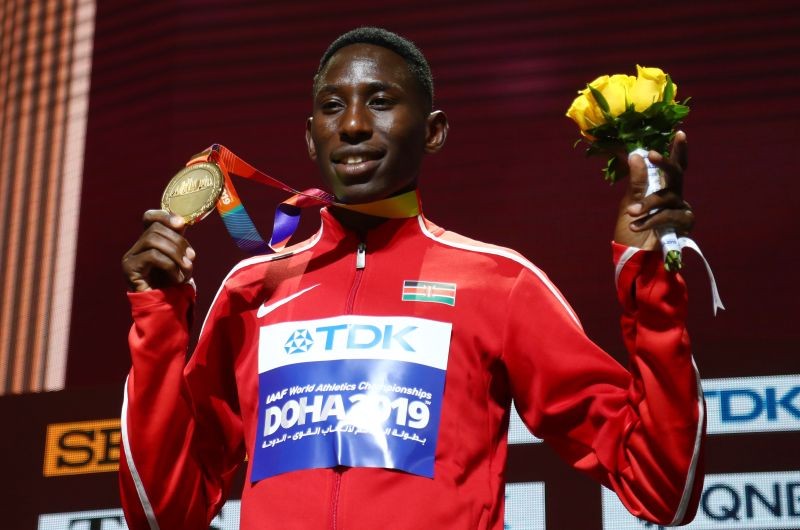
{"x": 361, "y": 263}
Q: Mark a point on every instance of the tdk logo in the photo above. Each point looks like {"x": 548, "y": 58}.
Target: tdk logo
{"x": 745, "y": 404}
{"x": 753, "y": 404}
{"x": 350, "y": 337}
{"x": 299, "y": 342}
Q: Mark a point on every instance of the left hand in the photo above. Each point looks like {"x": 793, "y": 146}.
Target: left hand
{"x": 635, "y": 225}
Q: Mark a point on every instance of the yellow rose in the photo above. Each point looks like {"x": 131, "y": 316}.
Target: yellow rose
{"x": 615, "y": 90}
{"x": 586, "y": 112}
{"x": 648, "y": 87}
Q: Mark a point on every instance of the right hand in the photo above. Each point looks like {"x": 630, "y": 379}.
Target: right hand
{"x": 636, "y": 227}
{"x": 161, "y": 257}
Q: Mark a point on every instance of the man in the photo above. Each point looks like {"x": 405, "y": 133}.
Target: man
{"x": 366, "y": 289}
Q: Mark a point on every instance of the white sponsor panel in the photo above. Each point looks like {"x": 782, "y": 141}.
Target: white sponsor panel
{"x": 113, "y": 519}
{"x": 753, "y": 404}
{"x": 525, "y": 506}
{"x": 730, "y": 501}
{"x": 91, "y": 520}
{"x": 517, "y": 432}
{"x": 407, "y": 339}
{"x": 324, "y": 384}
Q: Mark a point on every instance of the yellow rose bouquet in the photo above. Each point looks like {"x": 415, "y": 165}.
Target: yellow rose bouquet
{"x": 622, "y": 113}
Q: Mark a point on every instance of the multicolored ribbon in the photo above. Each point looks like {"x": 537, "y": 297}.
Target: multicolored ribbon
{"x": 287, "y": 215}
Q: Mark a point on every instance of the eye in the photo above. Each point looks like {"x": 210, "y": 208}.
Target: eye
{"x": 381, "y": 102}
{"x": 330, "y": 105}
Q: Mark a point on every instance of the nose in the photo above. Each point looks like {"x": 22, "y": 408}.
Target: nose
{"x": 356, "y": 125}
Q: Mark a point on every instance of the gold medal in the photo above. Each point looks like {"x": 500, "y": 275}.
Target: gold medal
{"x": 193, "y": 191}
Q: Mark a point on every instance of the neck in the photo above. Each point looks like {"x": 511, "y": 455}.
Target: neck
{"x": 363, "y": 217}
{"x": 358, "y": 222}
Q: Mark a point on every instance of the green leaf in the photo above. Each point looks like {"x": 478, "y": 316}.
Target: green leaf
{"x": 610, "y": 171}
{"x": 654, "y": 109}
{"x": 600, "y": 99}
{"x": 669, "y": 91}
{"x": 680, "y": 111}
{"x": 672, "y": 261}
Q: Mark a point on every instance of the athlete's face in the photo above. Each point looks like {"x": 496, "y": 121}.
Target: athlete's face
{"x": 370, "y": 127}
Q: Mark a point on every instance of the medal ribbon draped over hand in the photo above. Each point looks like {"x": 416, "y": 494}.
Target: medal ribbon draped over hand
{"x": 287, "y": 215}
{"x": 635, "y": 114}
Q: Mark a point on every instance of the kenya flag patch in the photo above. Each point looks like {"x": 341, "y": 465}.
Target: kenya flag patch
{"x": 438, "y": 292}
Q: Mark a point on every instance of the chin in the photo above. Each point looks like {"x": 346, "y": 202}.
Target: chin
{"x": 349, "y": 197}
{"x": 359, "y": 193}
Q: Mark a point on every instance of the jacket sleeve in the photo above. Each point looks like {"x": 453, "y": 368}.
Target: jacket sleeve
{"x": 181, "y": 429}
{"x": 638, "y": 431}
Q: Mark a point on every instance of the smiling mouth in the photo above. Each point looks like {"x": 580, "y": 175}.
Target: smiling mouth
{"x": 355, "y": 159}
{"x": 356, "y": 166}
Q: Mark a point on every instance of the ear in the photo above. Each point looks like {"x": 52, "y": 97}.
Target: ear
{"x": 437, "y": 128}
{"x": 312, "y": 150}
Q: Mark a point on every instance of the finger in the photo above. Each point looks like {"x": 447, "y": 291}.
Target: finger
{"x": 166, "y": 241}
{"x": 140, "y": 266}
{"x": 681, "y": 221}
{"x": 637, "y": 186}
{"x": 151, "y": 269}
{"x": 680, "y": 150}
{"x": 179, "y": 252}
{"x": 673, "y": 168}
{"x": 158, "y": 230}
{"x": 154, "y": 260}
{"x": 663, "y": 199}
{"x": 672, "y": 172}
{"x": 176, "y": 222}
{"x": 638, "y": 177}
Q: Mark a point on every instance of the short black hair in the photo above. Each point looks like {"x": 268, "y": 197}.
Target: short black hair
{"x": 417, "y": 64}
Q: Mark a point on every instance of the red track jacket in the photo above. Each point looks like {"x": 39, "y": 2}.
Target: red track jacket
{"x": 188, "y": 426}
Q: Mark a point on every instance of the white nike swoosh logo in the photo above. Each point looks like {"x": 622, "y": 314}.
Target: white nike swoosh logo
{"x": 266, "y": 309}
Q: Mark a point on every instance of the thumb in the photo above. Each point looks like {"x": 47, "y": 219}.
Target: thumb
{"x": 637, "y": 184}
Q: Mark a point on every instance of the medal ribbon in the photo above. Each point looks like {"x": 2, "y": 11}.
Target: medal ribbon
{"x": 670, "y": 242}
{"x": 287, "y": 215}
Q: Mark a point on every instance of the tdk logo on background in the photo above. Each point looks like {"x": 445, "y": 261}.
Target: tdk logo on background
{"x": 753, "y": 404}
{"x": 350, "y": 337}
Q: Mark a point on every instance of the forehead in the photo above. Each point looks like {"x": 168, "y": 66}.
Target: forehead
{"x": 362, "y": 63}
